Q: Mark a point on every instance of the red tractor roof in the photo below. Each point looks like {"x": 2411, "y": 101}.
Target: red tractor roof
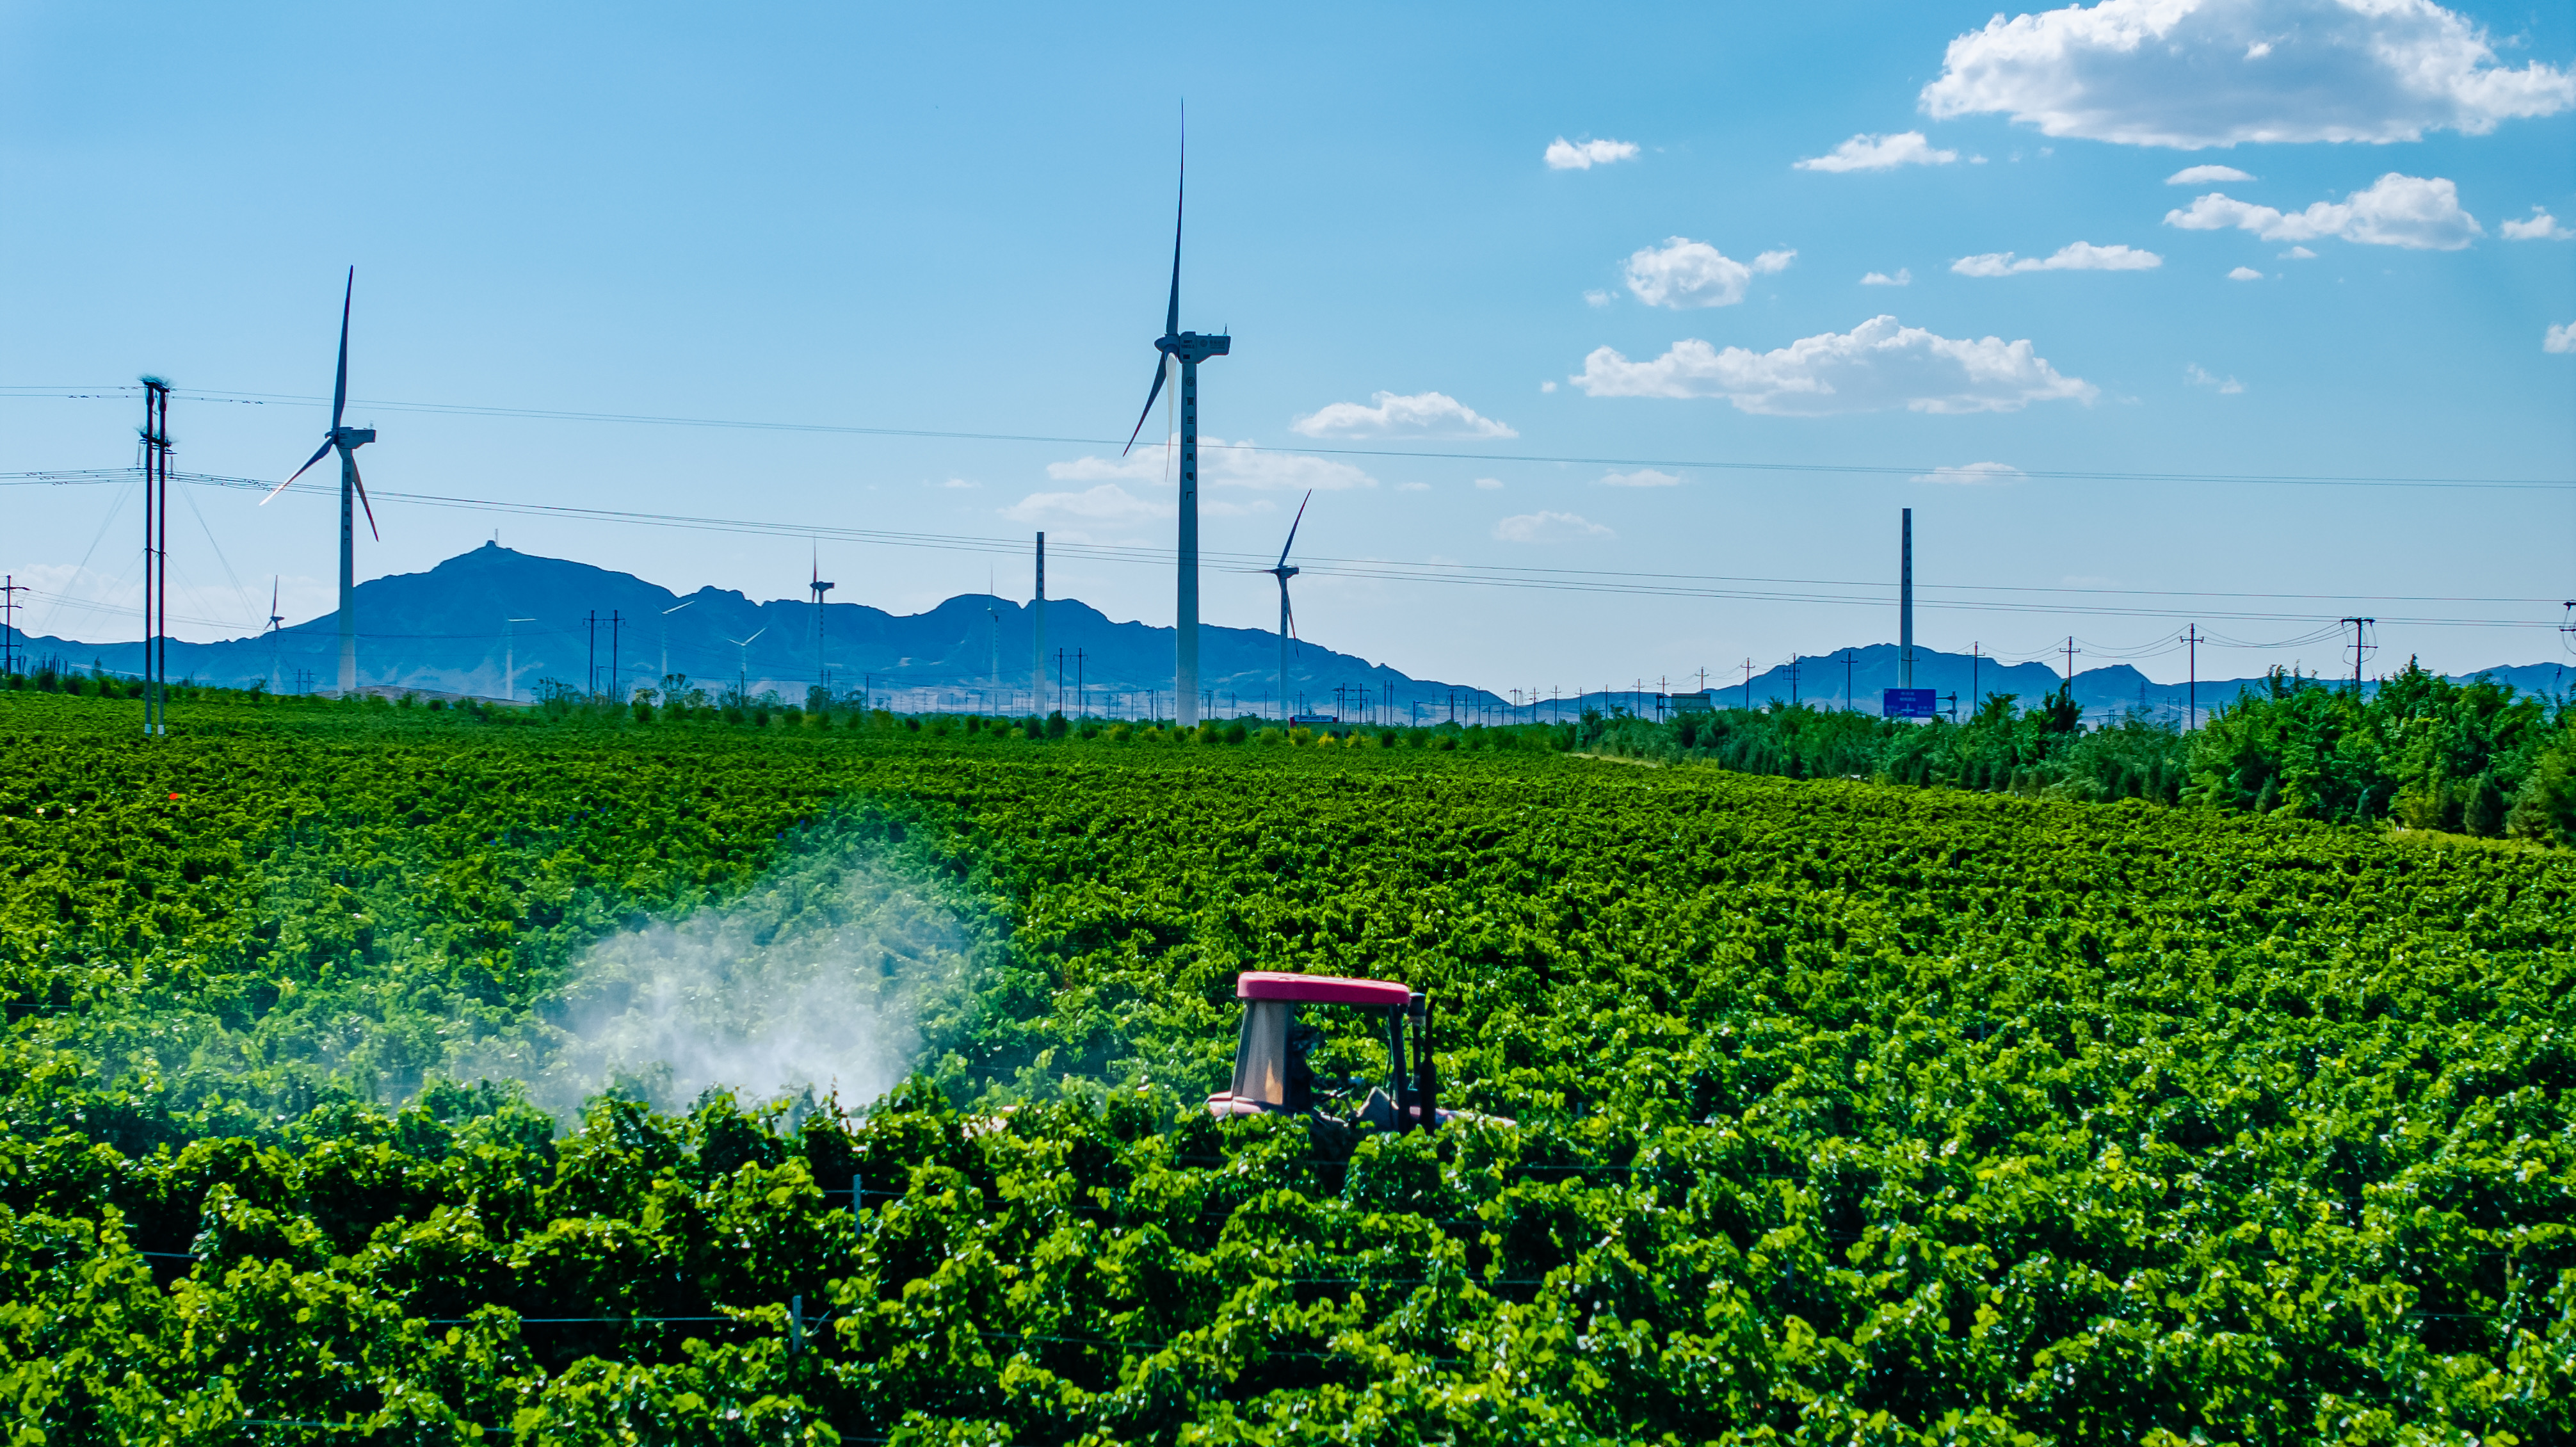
{"x": 1319, "y": 989}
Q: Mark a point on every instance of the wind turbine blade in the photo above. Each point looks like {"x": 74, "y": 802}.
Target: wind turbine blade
{"x": 361, "y": 484}
{"x": 340, "y": 388}
{"x": 323, "y": 451}
{"x": 748, "y": 641}
{"x": 1157, "y": 391}
{"x": 1292, "y": 530}
{"x": 1172, "y": 314}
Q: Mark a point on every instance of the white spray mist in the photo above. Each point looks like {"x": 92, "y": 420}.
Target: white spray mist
{"x": 821, "y": 979}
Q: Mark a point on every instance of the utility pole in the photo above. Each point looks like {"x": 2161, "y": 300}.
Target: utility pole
{"x": 2191, "y": 719}
{"x": 1059, "y": 679}
{"x": 510, "y": 658}
{"x": 1077, "y": 683}
{"x": 1973, "y": 696}
{"x": 1847, "y": 680}
{"x": 590, "y": 659}
{"x": 1905, "y": 605}
{"x": 2359, "y": 650}
{"x": 1793, "y": 680}
{"x": 1748, "y": 684}
{"x": 2070, "y": 665}
{"x": 613, "y": 675}
{"x": 156, "y": 555}
{"x": 10, "y": 588}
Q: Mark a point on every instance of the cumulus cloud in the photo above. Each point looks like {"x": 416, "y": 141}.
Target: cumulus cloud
{"x": 1221, "y": 464}
{"x": 2298, "y": 253}
{"x": 1642, "y": 477}
{"x": 1879, "y": 153}
{"x": 2194, "y": 73}
{"x": 1489, "y": 484}
{"x": 1549, "y": 527}
{"x": 1425, "y": 414}
{"x": 1413, "y": 487}
{"x": 1597, "y": 297}
{"x": 2560, "y": 338}
{"x": 959, "y": 484}
{"x": 2244, "y": 273}
{"x": 2200, "y": 376}
{"x": 2205, "y": 176}
{"x": 1683, "y": 273}
{"x": 1548, "y": 385}
{"x": 2540, "y": 226}
{"x": 1975, "y": 474}
{"x": 1877, "y": 365}
{"x": 2415, "y": 212}
{"x": 2074, "y": 256}
{"x": 1106, "y": 503}
{"x": 1565, "y": 155}
{"x": 1903, "y": 277}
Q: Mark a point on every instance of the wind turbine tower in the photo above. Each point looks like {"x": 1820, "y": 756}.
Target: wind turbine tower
{"x": 1287, "y": 618}
{"x": 1184, "y": 350}
{"x": 822, "y": 681}
{"x": 274, "y": 634}
{"x": 1037, "y": 633}
{"x": 346, "y": 441}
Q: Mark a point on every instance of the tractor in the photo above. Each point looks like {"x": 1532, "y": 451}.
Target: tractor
{"x": 1272, "y": 1075}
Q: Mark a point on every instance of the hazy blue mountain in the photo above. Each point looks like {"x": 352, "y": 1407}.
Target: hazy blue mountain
{"x": 442, "y": 631}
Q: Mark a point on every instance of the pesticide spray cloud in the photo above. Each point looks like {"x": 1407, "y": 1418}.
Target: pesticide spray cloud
{"x": 828, "y": 978}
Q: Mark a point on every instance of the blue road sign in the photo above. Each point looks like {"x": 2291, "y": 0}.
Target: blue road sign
{"x": 1907, "y": 703}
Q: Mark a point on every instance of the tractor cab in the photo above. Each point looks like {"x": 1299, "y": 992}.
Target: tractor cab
{"x": 1273, "y": 1074}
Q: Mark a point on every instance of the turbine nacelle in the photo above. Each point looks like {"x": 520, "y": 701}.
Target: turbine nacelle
{"x": 1193, "y": 347}
{"x": 351, "y": 436}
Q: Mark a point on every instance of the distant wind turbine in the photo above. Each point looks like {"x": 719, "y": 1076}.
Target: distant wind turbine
{"x": 1184, "y": 350}
{"x": 742, "y": 690}
{"x": 666, "y": 643}
{"x": 822, "y": 680}
{"x": 347, "y": 441}
{"x": 275, "y": 635}
{"x": 1287, "y": 618}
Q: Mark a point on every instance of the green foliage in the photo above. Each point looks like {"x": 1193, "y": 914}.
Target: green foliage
{"x": 1842, "y": 1112}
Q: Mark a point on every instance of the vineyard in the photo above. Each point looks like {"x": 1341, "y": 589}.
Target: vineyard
{"x": 1829, "y": 1111}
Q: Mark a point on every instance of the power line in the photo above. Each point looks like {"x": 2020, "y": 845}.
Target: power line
{"x": 542, "y": 414}
{"x": 1956, "y": 597}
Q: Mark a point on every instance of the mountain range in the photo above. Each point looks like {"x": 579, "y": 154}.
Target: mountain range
{"x": 444, "y": 631}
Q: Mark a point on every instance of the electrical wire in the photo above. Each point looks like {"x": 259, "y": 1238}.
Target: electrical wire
{"x": 540, "y": 414}
{"x": 1874, "y": 594}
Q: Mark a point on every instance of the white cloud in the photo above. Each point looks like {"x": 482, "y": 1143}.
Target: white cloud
{"x": 2410, "y": 211}
{"x": 1684, "y": 273}
{"x": 1565, "y": 155}
{"x": 1547, "y": 386}
{"x": 1425, "y": 414}
{"x": 1489, "y": 484}
{"x": 1597, "y": 297}
{"x": 2195, "y": 73}
{"x": 1975, "y": 474}
{"x": 2074, "y": 256}
{"x": 2541, "y": 226}
{"x": 959, "y": 484}
{"x": 1107, "y": 503}
{"x": 2298, "y": 253}
{"x": 2560, "y": 338}
{"x": 1903, "y": 277}
{"x": 1877, "y": 365}
{"x": 1549, "y": 527}
{"x": 2244, "y": 273}
{"x": 2200, "y": 376}
{"x": 2205, "y": 175}
{"x": 1221, "y": 464}
{"x": 1413, "y": 487}
{"x": 1642, "y": 477}
{"x": 1880, "y": 153}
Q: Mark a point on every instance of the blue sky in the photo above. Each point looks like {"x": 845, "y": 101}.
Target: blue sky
{"x": 957, "y": 220}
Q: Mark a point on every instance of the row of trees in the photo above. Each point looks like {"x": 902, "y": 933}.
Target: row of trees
{"x": 2420, "y": 751}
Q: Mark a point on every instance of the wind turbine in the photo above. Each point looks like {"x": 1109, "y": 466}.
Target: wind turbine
{"x": 274, "y": 633}
{"x": 1184, "y": 350}
{"x": 1287, "y": 619}
{"x": 742, "y": 690}
{"x": 347, "y": 440}
{"x": 821, "y": 680}
{"x": 666, "y": 644}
